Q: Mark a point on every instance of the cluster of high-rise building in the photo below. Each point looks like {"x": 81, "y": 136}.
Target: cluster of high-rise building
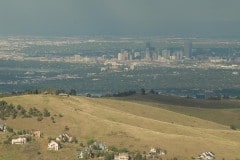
{"x": 150, "y": 54}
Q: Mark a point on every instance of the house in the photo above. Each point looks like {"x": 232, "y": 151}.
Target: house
{"x": 3, "y": 128}
{"x": 206, "y": 156}
{"x": 85, "y": 153}
{"x": 157, "y": 151}
{"x": 36, "y": 133}
{"x": 53, "y": 146}
{"x": 64, "y": 138}
{"x": 153, "y": 151}
{"x": 63, "y": 95}
{"x": 121, "y": 156}
{"x": 98, "y": 146}
{"x": 20, "y": 140}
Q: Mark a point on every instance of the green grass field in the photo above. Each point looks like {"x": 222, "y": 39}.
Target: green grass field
{"x": 134, "y": 124}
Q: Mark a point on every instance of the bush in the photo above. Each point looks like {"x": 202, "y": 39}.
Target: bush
{"x": 9, "y": 129}
{"x": 40, "y": 118}
{"x": 46, "y": 113}
{"x": 90, "y": 141}
{"x": 108, "y": 156}
{"x": 143, "y": 91}
{"x": 113, "y": 148}
{"x": 233, "y": 127}
{"x": 123, "y": 150}
{"x": 81, "y": 145}
{"x": 50, "y": 138}
{"x": 66, "y": 128}
{"x": 7, "y": 142}
{"x": 138, "y": 156}
{"x": 19, "y": 132}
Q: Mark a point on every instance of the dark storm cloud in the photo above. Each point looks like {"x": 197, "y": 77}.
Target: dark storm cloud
{"x": 141, "y": 17}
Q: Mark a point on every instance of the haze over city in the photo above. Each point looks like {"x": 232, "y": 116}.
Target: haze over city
{"x": 188, "y": 18}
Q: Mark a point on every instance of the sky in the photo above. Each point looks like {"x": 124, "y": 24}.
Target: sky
{"x": 216, "y": 18}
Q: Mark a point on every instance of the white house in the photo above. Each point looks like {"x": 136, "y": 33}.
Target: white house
{"x": 206, "y": 156}
{"x": 157, "y": 151}
{"x": 63, "y": 94}
{"x": 153, "y": 150}
{"x": 121, "y": 156}
{"x": 53, "y": 146}
{"x": 20, "y": 140}
{"x": 65, "y": 138}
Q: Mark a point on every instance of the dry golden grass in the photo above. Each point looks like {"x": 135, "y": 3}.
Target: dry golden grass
{"x": 123, "y": 124}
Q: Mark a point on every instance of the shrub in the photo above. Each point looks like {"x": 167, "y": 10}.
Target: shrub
{"x": 113, "y": 148}
{"x": 123, "y": 150}
{"x": 90, "y": 141}
{"x": 9, "y": 129}
{"x": 40, "y": 118}
{"x": 81, "y": 145}
{"x": 19, "y": 107}
{"x": 108, "y": 156}
{"x": 66, "y": 128}
{"x": 7, "y": 142}
{"x": 46, "y": 113}
{"x": 233, "y": 127}
{"x": 50, "y": 138}
{"x": 138, "y": 156}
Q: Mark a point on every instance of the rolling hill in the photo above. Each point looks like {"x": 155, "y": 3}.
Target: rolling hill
{"x": 135, "y": 125}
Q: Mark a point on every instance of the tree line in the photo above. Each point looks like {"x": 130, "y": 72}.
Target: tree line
{"x": 9, "y": 110}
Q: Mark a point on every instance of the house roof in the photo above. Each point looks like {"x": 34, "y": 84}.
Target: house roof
{"x": 53, "y": 142}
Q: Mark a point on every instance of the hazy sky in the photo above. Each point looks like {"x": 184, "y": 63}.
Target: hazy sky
{"x": 125, "y": 17}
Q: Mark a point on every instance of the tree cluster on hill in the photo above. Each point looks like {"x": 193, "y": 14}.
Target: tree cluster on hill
{"x": 49, "y": 91}
{"x": 72, "y": 92}
{"x": 124, "y": 94}
{"x": 121, "y": 94}
{"x": 9, "y": 110}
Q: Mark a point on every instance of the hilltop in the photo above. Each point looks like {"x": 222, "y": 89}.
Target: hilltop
{"x": 135, "y": 125}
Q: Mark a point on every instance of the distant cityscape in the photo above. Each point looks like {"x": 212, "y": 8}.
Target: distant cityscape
{"x": 178, "y": 66}
{"x": 182, "y": 50}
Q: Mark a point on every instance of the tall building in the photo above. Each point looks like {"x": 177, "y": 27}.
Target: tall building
{"x": 187, "y": 49}
{"x": 123, "y": 56}
{"x": 154, "y": 56}
{"x": 178, "y": 54}
{"x": 148, "y": 55}
{"x": 166, "y": 54}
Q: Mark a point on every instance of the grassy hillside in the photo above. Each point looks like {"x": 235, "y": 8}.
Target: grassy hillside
{"x": 134, "y": 125}
{"x": 183, "y": 101}
{"x": 226, "y": 112}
